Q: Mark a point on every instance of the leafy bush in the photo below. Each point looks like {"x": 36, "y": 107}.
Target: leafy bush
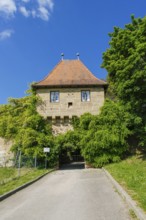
{"x": 30, "y": 132}
{"x": 103, "y": 138}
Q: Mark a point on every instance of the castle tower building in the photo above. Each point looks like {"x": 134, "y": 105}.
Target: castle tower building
{"x": 70, "y": 89}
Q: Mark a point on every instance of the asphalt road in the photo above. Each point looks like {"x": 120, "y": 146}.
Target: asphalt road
{"x": 67, "y": 194}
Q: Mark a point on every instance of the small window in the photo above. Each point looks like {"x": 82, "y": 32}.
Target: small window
{"x": 85, "y": 96}
{"x": 54, "y": 96}
{"x": 69, "y": 104}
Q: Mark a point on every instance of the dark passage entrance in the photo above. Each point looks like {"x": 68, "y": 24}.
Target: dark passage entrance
{"x": 73, "y": 166}
{"x": 71, "y": 158}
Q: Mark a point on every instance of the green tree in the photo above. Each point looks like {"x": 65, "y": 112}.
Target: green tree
{"x": 67, "y": 144}
{"x": 104, "y": 137}
{"x": 30, "y": 132}
{"x": 125, "y": 62}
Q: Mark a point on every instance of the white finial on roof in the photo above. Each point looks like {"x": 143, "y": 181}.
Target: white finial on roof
{"x": 78, "y": 56}
{"x": 62, "y": 56}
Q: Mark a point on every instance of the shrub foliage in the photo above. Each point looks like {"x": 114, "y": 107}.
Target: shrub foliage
{"x": 30, "y": 132}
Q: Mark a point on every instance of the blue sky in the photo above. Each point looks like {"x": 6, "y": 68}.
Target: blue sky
{"x": 33, "y": 34}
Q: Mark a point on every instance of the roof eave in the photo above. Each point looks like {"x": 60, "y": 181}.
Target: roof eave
{"x": 35, "y": 86}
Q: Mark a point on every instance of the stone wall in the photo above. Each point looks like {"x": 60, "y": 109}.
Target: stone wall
{"x": 61, "y": 128}
{"x": 6, "y": 155}
{"x": 70, "y": 95}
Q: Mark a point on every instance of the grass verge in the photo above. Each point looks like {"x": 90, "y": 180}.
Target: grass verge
{"x": 7, "y": 173}
{"x": 13, "y": 182}
{"x": 132, "y": 214}
{"x": 131, "y": 174}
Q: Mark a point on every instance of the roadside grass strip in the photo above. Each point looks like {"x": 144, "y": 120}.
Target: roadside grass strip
{"x": 131, "y": 175}
{"x": 9, "y": 179}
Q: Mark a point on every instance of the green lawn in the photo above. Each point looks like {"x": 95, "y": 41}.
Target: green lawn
{"x": 131, "y": 174}
{"x": 9, "y": 177}
{"x": 7, "y": 173}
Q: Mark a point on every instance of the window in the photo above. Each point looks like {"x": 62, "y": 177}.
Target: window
{"x": 69, "y": 104}
{"x": 54, "y": 96}
{"x": 85, "y": 96}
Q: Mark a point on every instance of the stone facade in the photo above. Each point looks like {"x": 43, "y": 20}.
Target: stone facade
{"x": 6, "y": 156}
{"x": 70, "y": 103}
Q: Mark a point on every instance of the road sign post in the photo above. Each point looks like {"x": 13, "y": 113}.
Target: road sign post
{"x": 46, "y": 150}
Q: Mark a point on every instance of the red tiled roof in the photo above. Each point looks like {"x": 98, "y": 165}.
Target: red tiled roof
{"x": 70, "y": 73}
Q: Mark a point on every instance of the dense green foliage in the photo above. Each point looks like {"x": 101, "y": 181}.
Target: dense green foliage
{"x": 29, "y": 131}
{"x": 67, "y": 144}
{"x": 103, "y": 137}
{"x": 125, "y": 62}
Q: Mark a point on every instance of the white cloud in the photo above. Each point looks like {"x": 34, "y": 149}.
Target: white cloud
{"x": 6, "y": 34}
{"x": 43, "y": 13}
{"x": 49, "y": 4}
{"x": 8, "y": 7}
{"x": 24, "y": 11}
{"x": 29, "y": 8}
{"x": 45, "y": 9}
